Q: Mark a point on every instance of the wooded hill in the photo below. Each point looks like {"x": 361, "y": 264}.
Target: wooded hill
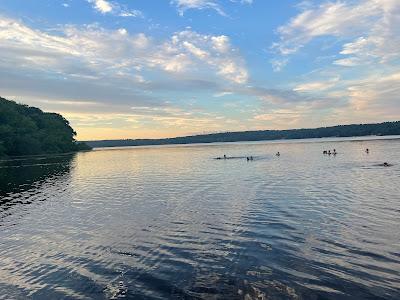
{"x": 26, "y": 130}
{"x": 386, "y": 128}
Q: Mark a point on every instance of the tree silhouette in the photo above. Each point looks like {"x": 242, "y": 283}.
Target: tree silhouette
{"x": 26, "y": 130}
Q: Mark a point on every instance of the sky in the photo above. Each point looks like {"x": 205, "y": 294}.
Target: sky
{"x": 120, "y": 69}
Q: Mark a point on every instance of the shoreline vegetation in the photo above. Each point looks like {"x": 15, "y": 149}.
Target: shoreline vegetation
{"x": 355, "y": 130}
{"x": 26, "y": 130}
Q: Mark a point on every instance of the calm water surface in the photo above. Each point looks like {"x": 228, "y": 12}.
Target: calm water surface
{"x": 174, "y": 223}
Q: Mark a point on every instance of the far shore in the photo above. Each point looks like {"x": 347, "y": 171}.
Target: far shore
{"x": 338, "y": 131}
{"x": 277, "y": 141}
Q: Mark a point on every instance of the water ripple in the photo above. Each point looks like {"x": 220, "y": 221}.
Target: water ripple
{"x": 173, "y": 223}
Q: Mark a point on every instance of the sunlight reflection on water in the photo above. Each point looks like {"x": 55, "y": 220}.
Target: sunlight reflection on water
{"x": 172, "y": 222}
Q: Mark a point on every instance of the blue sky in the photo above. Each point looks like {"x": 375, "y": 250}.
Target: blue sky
{"x": 162, "y": 68}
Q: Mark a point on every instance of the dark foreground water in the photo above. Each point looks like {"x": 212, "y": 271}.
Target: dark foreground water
{"x": 174, "y": 223}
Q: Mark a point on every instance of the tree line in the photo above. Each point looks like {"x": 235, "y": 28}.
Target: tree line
{"x": 380, "y": 129}
{"x": 26, "y": 130}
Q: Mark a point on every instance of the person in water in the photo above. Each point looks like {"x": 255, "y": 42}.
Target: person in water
{"x": 278, "y": 154}
{"x": 334, "y": 152}
{"x": 329, "y": 152}
{"x": 224, "y": 156}
{"x": 367, "y": 150}
{"x": 325, "y": 152}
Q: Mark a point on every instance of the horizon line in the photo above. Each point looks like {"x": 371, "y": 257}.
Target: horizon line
{"x": 224, "y": 132}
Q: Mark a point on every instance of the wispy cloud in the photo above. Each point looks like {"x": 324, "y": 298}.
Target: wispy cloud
{"x": 279, "y": 63}
{"x": 368, "y": 35}
{"x": 184, "y": 5}
{"x": 372, "y": 26}
{"x": 376, "y": 96}
{"x": 113, "y": 8}
{"x": 92, "y": 50}
{"x": 316, "y": 86}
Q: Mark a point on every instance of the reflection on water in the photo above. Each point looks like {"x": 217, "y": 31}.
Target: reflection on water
{"x": 22, "y": 177}
{"x": 172, "y": 222}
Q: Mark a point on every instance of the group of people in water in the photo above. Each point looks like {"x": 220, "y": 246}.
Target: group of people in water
{"x": 251, "y": 157}
{"x": 325, "y": 152}
{"x": 248, "y": 158}
{"x": 328, "y": 152}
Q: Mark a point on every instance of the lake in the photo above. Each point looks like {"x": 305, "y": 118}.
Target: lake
{"x": 172, "y": 222}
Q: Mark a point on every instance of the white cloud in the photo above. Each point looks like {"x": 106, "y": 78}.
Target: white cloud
{"x": 199, "y": 53}
{"x": 131, "y": 13}
{"x": 371, "y": 99}
{"x": 348, "y": 62}
{"x": 230, "y": 70}
{"x": 221, "y": 43}
{"x": 214, "y": 51}
{"x": 279, "y": 64}
{"x": 372, "y": 28}
{"x": 316, "y": 86}
{"x": 183, "y": 5}
{"x": 222, "y": 94}
{"x": 368, "y": 35}
{"x": 102, "y": 6}
{"x": 331, "y": 18}
{"x": 113, "y": 8}
{"x": 95, "y": 51}
{"x": 376, "y": 94}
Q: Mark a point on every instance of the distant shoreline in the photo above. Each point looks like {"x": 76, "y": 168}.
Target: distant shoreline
{"x": 340, "y": 131}
{"x": 281, "y": 141}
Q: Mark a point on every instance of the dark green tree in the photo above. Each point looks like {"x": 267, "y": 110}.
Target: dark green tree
{"x": 26, "y": 130}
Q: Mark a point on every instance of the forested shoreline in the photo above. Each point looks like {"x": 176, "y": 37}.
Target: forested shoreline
{"x": 380, "y": 129}
{"x": 26, "y": 130}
